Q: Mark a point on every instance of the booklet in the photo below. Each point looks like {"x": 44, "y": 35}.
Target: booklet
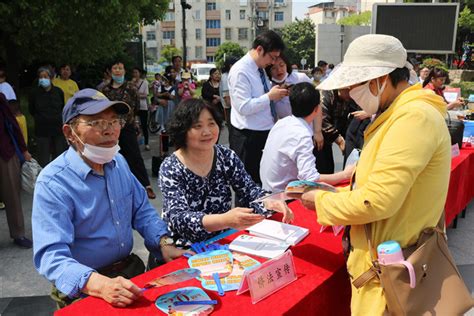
{"x": 258, "y": 246}
{"x": 271, "y": 229}
{"x": 295, "y": 189}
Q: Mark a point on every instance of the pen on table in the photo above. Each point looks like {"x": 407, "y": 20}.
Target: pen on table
{"x": 210, "y": 302}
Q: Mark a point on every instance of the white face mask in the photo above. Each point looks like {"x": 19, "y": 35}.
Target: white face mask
{"x": 365, "y": 99}
{"x": 96, "y": 154}
{"x": 281, "y": 80}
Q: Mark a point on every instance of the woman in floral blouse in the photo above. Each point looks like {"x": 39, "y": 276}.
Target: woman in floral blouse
{"x": 196, "y": 180}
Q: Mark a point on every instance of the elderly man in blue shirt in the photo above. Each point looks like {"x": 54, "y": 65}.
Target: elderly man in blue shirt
{"x": 86, "y": 203}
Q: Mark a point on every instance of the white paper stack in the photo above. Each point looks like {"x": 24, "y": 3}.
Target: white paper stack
{"x": 257, "y": 246}
{"x": 279, "y": 231}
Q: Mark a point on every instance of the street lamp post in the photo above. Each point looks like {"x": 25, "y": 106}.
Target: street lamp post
{"x": 184, "y": 6}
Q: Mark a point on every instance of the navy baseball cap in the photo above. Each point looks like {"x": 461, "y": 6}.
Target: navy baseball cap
{"x": 90, "y": 102}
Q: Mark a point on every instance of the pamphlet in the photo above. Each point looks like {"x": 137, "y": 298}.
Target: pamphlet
{"x": 258, "y": 246}
{"x": 290, "y": 234}
{"x": 295, "y": 189}
{"x": 231, "y": 282}
{"x": 165, "y": 302}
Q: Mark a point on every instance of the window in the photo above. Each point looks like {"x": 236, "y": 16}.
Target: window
{"x": 168, "y": 34}
{"x": 329, "y": 14}
{"x": 210, "y": 6}
{"x": 242, "y": 14}
{"x": 279, "y": 1}
{"x": 150, "y": 36}
{"x": 198, "y": 52}
{"x": 228, "y": 33}
{"x": 213, "y": 41}
{"x": 243, "y": 33}
{"x": 197, "y": 14}
{"x": 210, "y": 59}
{"x": 227, "y": 15}
{"x": 198, "y": 34}
{"x": 169, "y": 16}
{"x": 278, "y": 16}
{"x": 171, "y": 5}
{"x": 243, "y": 3}
{"x": 213, "y": 24}
{"x": 263, "y": 15}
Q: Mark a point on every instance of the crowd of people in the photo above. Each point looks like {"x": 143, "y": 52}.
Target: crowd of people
{"x": 94, "y": 188}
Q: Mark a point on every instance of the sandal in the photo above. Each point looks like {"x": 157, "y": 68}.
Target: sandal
{"x": 150, "y": 193}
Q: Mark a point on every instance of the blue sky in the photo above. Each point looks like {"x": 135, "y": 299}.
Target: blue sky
{"x": 300, "y": 7}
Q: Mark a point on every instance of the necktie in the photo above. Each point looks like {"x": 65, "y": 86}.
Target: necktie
{"x": 265, "y": 88}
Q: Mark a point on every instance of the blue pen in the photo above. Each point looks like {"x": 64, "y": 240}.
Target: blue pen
{"x": 210, "y": 302}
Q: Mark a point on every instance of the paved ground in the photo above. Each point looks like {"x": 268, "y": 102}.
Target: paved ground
{"x": 23, "y": 291}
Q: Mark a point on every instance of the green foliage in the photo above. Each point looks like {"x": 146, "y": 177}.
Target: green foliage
{"x": 74, "y": 31}
{"x": 167, "y": 52}
{"x": 467, "y": 88}
{"x": 363, "y": 18}
{"x": 299, "y": 38}
{"x": 228, "y": 49}
{"x": 433, "y": 62}
{"x": 466, "y": 19}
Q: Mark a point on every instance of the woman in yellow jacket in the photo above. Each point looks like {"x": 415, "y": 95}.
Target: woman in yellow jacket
{"x": 402, "y": 176}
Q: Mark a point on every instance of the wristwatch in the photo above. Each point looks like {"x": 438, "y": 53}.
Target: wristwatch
{"x": 166, "y": 241}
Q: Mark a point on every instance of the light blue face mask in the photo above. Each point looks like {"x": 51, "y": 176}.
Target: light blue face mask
{"x": 44, "y": 82}
{"x": 118, "y": 79}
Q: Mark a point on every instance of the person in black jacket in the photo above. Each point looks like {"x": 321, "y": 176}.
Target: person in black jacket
{"x": 210, "y": 90}
{"x": 46, "y": 104}
{"x": 336, "y": 106}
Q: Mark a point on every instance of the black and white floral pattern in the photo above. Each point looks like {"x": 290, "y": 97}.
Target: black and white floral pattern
{"x": 187, "y": 197}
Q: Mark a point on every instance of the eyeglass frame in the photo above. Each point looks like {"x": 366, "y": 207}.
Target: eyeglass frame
{"x": 110, "y": 123}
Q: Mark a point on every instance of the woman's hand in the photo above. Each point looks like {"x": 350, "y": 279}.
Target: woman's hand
{"x": 27, "y": 155}
{"x": 240, "y": 218}
{"x": 360, "y": 115}
{"x": 308, "y": 200}
{"x": 348, "y": 171}
{"x": 171, "y": 252}
{"x": 319, "y": 140}
{"x": 280, "y": 207}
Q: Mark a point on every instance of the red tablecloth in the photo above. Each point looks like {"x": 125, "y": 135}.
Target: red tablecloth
{"x": 460, "y": 191}
{"x": 322, "y": 287}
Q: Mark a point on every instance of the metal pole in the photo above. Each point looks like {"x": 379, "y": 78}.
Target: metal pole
{"x": 184, "y": 33}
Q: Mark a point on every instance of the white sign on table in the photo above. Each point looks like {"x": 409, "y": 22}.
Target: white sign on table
{"x": 268, "y": 278}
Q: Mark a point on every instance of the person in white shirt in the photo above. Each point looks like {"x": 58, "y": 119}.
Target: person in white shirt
{"x": 253, "y": 113}
{"x": 5, "y": 87}
{"x": 288, "y": 153}
{"x": 142, "y": 91}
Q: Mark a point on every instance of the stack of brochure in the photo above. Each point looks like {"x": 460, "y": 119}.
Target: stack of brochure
{"x": 271, "y": 239}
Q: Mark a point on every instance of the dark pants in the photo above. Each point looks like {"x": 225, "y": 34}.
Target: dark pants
{"x": 324, "y": 159}
{"x": 10, "y": 188}
{"x": 48, "y": 148}
{"x": 143, "y": 114}
{"x": 129, "y": 149}
{"x": 133, "y": 268}
{"x": 248, "y": 145}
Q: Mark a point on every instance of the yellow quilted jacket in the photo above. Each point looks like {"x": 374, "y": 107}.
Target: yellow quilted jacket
{"x": 401, "y": 185}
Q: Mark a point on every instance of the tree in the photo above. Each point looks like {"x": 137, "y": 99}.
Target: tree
{"x": 228, "y": 49}
{"x": 363, "y": 18}
{"x": 167, "y": 52}
{"x": 466, "y": 19}
{"x": 73, "y": 31}
{"x": 299, "y": 37}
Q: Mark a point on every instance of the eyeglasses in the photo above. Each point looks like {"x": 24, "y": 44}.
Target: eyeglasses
{"x": 104, "y": 124}
{"x": 273, "y": 57}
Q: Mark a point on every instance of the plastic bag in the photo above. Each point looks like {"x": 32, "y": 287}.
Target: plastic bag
{"x": 353, "y": 157}
{"x": 29, "y": 173}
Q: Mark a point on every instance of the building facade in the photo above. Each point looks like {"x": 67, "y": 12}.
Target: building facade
{"x": 209, "y": 23}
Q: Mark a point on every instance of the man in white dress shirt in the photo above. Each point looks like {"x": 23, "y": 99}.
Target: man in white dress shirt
{"x": 288, "y": 153}
{"x": 253, "y": 113}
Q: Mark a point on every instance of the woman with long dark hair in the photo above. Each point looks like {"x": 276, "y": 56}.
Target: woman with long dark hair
{"x": 210, "y": 90}
{"x": 435, "y": 81}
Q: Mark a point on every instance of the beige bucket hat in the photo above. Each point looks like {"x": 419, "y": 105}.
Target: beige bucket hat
{"x": 367, "y": 57}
